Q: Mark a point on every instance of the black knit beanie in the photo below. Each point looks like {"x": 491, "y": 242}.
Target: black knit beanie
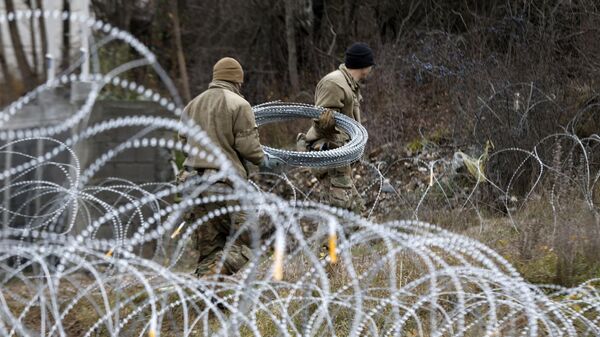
{"x": 358, "y": 56}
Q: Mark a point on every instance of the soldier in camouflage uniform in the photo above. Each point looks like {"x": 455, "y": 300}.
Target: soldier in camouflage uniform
{"x": 229, "y": 121}
{"x": 339, "y": 91}
{"x": 212, "y": 236}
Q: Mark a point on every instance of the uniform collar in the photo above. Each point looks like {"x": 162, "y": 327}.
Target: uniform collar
{"x": 351, "y": 81}
{"x": 224, "y": 85}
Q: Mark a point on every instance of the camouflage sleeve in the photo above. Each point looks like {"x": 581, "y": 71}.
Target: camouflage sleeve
{"x": 329, "y": 95}
{"x": 247, "y": 142}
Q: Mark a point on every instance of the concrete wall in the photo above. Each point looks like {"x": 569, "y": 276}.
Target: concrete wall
{"x": 140, "y": 166}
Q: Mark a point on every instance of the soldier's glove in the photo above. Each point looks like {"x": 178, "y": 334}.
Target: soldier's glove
{"x": 272, "y": 163}
{"x": 325, "y": 124}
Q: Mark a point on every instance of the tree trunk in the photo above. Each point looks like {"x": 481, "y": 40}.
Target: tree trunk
{"x": 34, "y": 49}
{"x": 28, "y": 76}
{"x": 5, "y": 71}
{"x": 185, "y": 83}
{"x": 290, "y": 30}
{"x": 43, "y": 36}
{"x": 66, "y": 42}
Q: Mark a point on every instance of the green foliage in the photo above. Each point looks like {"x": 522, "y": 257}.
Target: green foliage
{"x": 416, "y": 145}
{"x": 179, "y": 158}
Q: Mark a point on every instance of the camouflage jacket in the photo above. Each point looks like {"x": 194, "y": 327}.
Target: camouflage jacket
{"x": 229, "y": 121}
{"x": 340, "y": 92}
{"x": 336, "y": 91}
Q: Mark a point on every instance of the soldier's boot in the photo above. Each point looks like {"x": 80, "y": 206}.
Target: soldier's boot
{"x": 224, "y": 263}
{"x": 235, "y": 259}
{"x": 207, "y": 264}
{"x": 214, "y": 264}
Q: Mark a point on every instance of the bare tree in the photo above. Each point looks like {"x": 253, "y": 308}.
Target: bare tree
{"x": 4, "y": 67}
{"x": 43, "y": 34}
{"x": 185, "y": 84}
{"x": 32, "y": 30}
{"x": 66, "y": 42}
{"x": 27, "y": 74}
{"x": 290, "y": 28}
{"x": 117, "y": 12}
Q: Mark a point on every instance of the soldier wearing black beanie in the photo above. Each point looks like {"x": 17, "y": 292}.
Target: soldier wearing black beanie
{"x": 339, "y": 91}
{"x": 359, "y": 56}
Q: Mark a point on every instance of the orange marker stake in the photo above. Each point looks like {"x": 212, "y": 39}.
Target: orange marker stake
{"x": 279, "y": 251}
{"x": 332, "y": 248}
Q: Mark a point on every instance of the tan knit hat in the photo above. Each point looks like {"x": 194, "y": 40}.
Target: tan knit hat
{"x": 228, "y": 69}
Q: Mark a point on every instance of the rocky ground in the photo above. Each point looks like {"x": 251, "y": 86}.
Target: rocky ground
{"x": 431, "y": 181}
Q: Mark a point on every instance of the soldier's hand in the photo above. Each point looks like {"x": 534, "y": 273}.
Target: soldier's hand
{"x": 272, "y": 163}
{"x": 325, "y": 124}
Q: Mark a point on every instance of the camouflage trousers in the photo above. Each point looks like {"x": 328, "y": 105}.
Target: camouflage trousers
{"x": 340, "y": 189}
{"x": 222, "y": 248}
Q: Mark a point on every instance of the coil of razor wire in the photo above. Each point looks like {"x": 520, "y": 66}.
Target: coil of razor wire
{"x": 348, "y": 153}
